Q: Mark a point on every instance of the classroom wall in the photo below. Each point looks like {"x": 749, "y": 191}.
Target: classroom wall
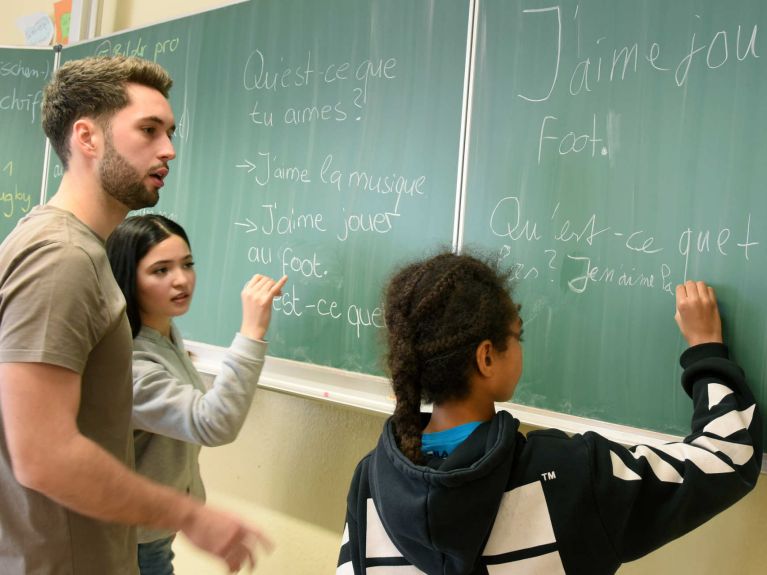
{"x": 115, "y": 14}
{"x": 289, "y": 470}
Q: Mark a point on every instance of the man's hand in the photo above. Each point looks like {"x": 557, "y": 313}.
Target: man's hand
{"x": 225, "y": 536}
{"x": 39, "y": 404}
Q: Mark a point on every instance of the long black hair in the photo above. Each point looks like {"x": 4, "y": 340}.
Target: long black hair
{"x": 128, "y": 244}
{"x": 438, "y": 311}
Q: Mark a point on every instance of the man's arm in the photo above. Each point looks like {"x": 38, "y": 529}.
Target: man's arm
{"x": 39, "y": 404}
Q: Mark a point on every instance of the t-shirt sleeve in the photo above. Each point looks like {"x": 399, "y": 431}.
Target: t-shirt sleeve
{"x": 51, "y": 308}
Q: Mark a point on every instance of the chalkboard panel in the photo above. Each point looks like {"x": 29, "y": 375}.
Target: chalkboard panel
{"x": 23, "y": 74}
{"x": 617, "y": 148}
{"x": 317, "y": 139}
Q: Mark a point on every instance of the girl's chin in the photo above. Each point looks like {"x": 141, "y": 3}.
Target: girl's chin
{"x": 179, "y": 309}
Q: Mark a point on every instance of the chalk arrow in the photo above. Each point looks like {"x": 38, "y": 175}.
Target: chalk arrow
{"x": 252, "y": 227}
{"x": 250, "y": 165}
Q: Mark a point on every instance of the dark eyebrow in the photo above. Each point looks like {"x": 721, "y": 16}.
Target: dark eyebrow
{"x": 158, "y": 120}
{"x": 166, "y": 262}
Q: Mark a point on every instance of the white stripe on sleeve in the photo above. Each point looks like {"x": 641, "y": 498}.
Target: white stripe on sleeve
{"x": 703, "y": 459}
{"x": 662, "y": 470}
{"x": 731, "y": 422}
{"x": 737, "y": 452}
{"x": 621, "y": 471}
{"x": 345, "y": 538}
{"x": 716, "y": 393}
{"x": 377, "y": 541}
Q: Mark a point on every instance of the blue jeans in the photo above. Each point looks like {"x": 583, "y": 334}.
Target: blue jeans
{"x": 156, "y": 558}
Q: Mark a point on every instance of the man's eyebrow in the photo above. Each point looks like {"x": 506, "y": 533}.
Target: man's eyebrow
{"x": 158, "y": 120}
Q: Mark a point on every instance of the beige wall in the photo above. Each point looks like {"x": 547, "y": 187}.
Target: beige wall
{"x": 132, "y": 13}
{"x": 290, "y": 468}
{"x": 288, "y": 471}
{"x": 115, "y": 14}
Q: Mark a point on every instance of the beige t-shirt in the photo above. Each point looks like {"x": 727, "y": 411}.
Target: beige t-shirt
{"x": 60, "y": 305}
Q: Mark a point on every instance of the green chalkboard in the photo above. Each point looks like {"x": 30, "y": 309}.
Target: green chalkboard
{"x": 317, "y": 139}
{"x": 614, "y": 148}
{"x": 617, "y": 148}
{"x": 23, "y": 74}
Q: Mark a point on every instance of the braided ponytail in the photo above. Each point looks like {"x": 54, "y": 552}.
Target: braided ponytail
{"x": 404, "y": 364}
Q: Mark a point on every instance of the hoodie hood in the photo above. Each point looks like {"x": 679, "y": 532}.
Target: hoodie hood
{"x": 440, "y": 515}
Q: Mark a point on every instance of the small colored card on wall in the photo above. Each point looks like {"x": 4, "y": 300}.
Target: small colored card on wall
{"x": 62, "y": 12}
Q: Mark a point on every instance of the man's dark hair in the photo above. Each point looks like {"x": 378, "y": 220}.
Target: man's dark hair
{"x": 94, "y": 88}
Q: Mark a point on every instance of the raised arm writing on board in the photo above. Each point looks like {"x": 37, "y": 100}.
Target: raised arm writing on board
{"x": 651, "y": 494}
{"x": 257, "y": 296}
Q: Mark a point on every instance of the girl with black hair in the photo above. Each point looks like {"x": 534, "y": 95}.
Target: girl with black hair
{"x": 462, "y": 491}
{"x": 174, "y": 414}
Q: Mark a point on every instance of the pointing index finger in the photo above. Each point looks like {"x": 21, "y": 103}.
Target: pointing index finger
{"x": 277, "y": 288}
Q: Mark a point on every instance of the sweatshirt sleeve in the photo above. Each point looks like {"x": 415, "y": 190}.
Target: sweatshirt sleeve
{"x": 167, "y": 403}
{"x": 348, "y": 559}
{"x": 351, "y": 557}
{"x": 648, "y": 495}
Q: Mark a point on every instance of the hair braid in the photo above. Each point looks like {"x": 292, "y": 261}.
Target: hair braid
{"x": 404, "y": 363}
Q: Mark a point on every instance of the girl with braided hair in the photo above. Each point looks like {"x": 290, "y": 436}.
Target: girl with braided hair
{"x": 461, "y": 491}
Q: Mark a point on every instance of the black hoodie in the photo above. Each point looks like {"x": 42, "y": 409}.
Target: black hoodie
{"x": 549, "y": 503}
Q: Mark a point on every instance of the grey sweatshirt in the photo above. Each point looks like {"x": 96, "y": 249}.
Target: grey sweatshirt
{"x": 174, "y": 414}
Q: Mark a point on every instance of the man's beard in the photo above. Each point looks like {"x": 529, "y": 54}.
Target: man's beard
{"x": 122, "y": 181}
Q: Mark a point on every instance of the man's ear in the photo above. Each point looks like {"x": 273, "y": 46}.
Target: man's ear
{"x": 87, "y": 137}
{"x": 484, "y": 358}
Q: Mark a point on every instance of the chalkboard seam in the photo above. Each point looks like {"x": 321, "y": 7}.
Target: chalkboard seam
{"x": 465, "y": 135}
